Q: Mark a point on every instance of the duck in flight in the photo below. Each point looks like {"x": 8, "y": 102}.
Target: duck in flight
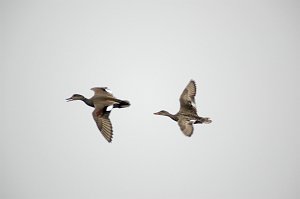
{"x": 187, "y": 114}
{"x": 103, "y": 101}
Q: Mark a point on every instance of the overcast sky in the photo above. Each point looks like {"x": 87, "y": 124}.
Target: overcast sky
{"x": 243, "y": 55}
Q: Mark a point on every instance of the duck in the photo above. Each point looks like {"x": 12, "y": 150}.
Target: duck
{"x": 103, "y": 102}
{"x": 187, "y": 114}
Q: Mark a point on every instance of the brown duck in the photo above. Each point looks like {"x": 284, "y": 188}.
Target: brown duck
{"x": 187, "y": 114}
{"x": 103, "y": 101}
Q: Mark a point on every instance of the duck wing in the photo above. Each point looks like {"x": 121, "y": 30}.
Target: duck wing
{"x": 102, "y": 91}
{"x": 101, "y": 117}
{"x": 187, "y": 98}
{"x": 186, "y": 127}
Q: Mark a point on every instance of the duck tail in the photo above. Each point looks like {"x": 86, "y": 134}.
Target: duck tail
{"x": 122, "y": 104}
{"x": 207, "y": 120}
{"x": 204, "y": 120}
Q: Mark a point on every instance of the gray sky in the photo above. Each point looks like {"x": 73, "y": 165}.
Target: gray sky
{"x": 243, "y": 55}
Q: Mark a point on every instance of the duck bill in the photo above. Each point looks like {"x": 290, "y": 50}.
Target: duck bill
{"x": 156, "y": 113}
{"x": 69, "y": 99}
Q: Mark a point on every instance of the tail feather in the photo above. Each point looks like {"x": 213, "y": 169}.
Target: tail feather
{"x": 207, "y": 120}
{"x": 204, "y": 120}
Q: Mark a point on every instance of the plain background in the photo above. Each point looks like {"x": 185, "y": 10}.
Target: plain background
{"x": 244, "y": 56}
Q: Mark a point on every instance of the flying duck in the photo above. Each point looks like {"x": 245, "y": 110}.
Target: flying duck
{"x": 187, "y": 114}
{"x": 103, "y": 101}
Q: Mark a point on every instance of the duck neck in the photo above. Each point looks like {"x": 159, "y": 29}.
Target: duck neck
{"x": 88, "y": 102}
{"x": 173, "y": 117}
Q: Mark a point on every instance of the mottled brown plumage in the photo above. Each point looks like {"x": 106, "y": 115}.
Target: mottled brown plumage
{"x": 103, "y": 101}
{"x": 187, "y": 114}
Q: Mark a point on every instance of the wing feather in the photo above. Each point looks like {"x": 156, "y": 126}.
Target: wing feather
{"x": 103, "y": 122}
{"x": 187, "y": 98}
{"x": 186, "y": 127}
{"x": 102, "y": 91}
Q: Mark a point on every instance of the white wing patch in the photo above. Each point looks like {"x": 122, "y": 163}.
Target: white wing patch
{"x": 108, "y": 90}
{"x": 193, "y": 104}
{"x": 192, "y": 121}
{"x": 109, "y": 108}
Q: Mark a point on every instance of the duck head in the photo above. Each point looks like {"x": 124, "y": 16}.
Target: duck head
{"x": 75, "y": 97}
{"x": 163, "y": 112}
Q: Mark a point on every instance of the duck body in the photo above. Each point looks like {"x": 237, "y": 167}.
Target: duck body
{"x": 90, "y": 102}
{"x": 103, "y": 102}
{"x": 187, "y": 114}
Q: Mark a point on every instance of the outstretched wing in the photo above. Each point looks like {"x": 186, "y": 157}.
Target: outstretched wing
{"x": 186, "y": 127}
{"x": 187, "y": 98}
{"x": 102, "y": 91}
{"x": 101, "y": 117}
